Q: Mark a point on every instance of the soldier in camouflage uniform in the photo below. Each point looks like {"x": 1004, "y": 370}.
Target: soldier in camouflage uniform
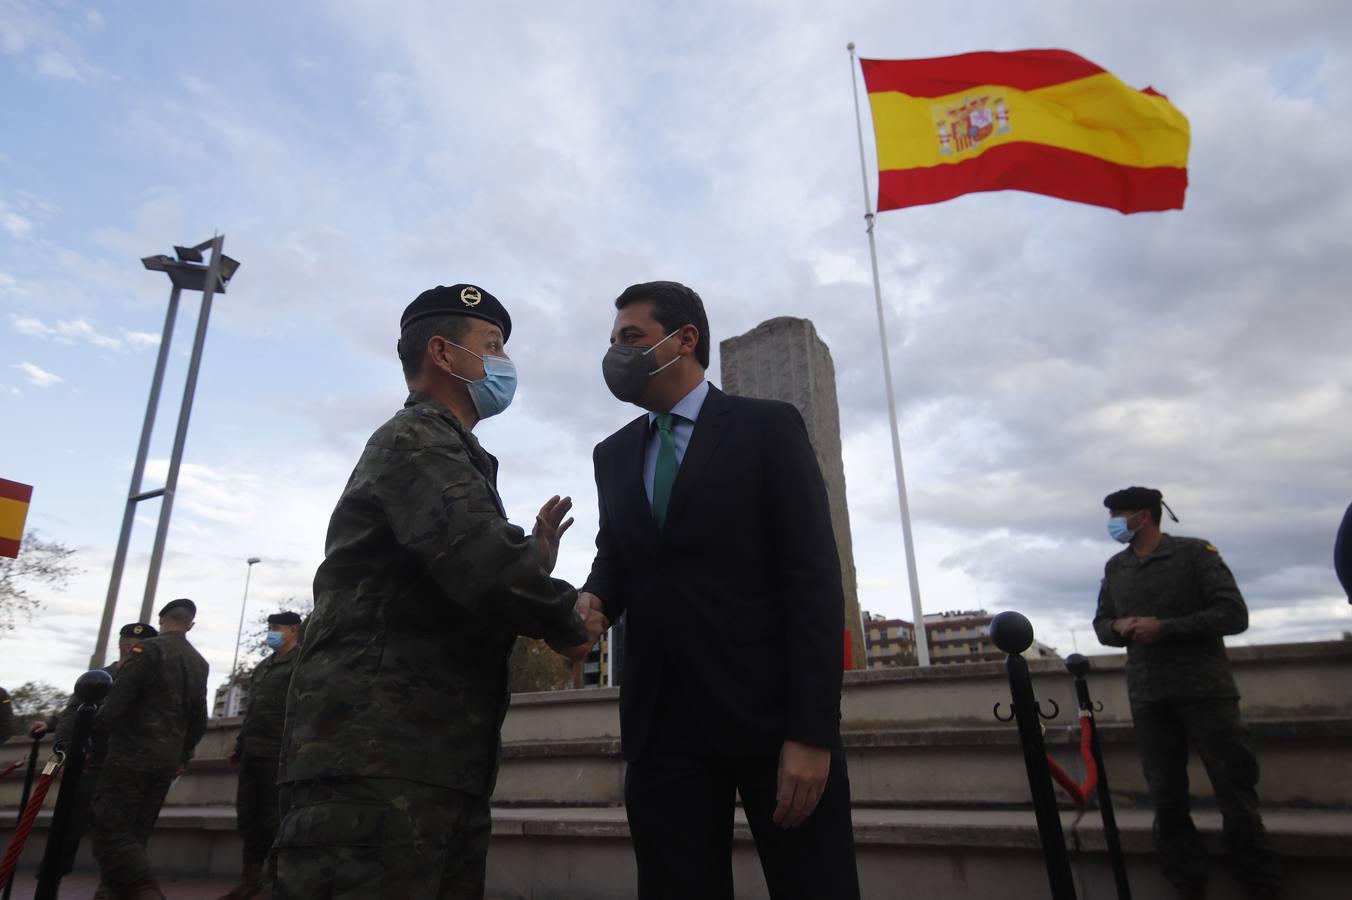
{"x": 1170, "y": 601}
{"x": 256, "y": 752}
{"x": 153, "y": 718}
{"x": 62, "y": 726}
{"x": 391, "y": 744}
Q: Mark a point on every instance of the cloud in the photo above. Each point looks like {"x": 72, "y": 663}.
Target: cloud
{"x": 14, "y": 224}
{"x": 37, "y": 377}
{"x": 39, "y": 35}
{"x": 80, "y": 330}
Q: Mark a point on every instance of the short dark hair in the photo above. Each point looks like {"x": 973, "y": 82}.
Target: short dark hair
{"x": 674, "y": 306}
{"x": 413, "y": 341}
{"x": 1154, "y": 510}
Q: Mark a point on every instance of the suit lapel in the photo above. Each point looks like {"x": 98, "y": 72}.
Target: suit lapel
{"x": 631, "y": 499}
{"x": 709, "y": 430}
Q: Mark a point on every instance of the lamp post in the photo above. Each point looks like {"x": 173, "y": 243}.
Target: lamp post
{"x": 188, "y": 270}
{"x": 239, "y": 632}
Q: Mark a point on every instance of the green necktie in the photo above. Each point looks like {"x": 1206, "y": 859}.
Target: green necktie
{"x": 664, "y": 476}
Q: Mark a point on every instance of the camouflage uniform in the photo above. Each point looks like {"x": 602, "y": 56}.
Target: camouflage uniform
{"x": 1183, "y": 695}
{"x": 258, "y": 746}
{"x": 391, "y": 744}
{"x": 154, "y": 716}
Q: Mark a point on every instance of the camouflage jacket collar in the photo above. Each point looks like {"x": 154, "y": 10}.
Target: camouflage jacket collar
{"x": 487, "y": 463}
{"x": 1128, "y": 557}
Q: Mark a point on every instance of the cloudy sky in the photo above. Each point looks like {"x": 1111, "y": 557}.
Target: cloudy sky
{"x": 354, "y": 154}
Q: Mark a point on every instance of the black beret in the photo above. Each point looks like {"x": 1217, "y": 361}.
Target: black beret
{"x": 181, "y": 603}
{"x": 284, "y": 618}
{"x": 1133, "y": 498}
{"x": 138, "y": 630}
{"x": 458, "y": 300}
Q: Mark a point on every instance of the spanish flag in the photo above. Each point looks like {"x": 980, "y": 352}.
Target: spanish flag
{"x": 1045, "y": 121}
{"x": 14, "y": 499}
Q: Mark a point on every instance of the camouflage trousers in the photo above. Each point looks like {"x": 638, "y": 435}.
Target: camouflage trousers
{"x": 369, "y": 838}
{"x": 256, "y": 807}
{"x": 123, "y": 812}
{"x": 1165, "y": 731}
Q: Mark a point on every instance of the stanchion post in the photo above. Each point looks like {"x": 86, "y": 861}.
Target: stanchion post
{"x": 1013, "y": 634}
{"x": 23, "y": 802}
{"x": 91, "y": 688}
{"x": 1078, "y": 665}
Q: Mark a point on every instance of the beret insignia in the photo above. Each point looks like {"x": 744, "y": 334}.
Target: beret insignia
{"x": 471, "y": 297}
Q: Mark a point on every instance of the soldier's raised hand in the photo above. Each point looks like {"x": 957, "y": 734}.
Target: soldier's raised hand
{"x": 550, "y": 526}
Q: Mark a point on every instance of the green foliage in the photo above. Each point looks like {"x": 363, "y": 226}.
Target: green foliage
{"x": 535, "y": 667}
{"x": 39, "y": 562}
{"x": 38, "y": 700}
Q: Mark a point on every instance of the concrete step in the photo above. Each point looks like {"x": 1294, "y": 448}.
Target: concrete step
{"x": 584, "y": 853}
{"x": 1306, "y": 763}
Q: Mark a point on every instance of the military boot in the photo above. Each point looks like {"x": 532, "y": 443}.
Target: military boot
{"x": 145, "y": 890}
{"x": 249, "y": 881}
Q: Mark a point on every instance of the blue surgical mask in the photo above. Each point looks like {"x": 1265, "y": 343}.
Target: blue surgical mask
{"x": 493, "y": 393}
{"x": 275, "y": 640}
{"x": 1120, "y": 530}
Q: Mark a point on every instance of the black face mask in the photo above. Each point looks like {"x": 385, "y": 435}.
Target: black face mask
{"x": 627, "y": 369}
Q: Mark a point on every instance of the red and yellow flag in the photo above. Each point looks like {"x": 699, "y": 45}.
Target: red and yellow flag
{"x": 1045, "y": 121}
{"x": 14, "y": 499}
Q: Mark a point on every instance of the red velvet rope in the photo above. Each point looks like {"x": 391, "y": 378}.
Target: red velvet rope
{"x": 9, "y": 769}
{"x": 1079, "y": 793}
{"x": 25, "y": 827}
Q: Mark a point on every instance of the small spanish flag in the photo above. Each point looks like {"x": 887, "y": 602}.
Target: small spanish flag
{"x": 14, "y": 500}
{"x": 1045, "y": 121}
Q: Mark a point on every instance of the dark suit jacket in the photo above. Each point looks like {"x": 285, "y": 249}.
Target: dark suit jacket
{"x": 734, "y": 612}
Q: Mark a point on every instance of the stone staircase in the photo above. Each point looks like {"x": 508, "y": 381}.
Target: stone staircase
{"x": 941, "y": 798}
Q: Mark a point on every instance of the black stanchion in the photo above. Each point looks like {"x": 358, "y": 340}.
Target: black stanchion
{"x": 23, "y": 802}
{"x": 1078, "y": 666}
{"x": 1013, "y": 634}
{"x": 90, "y": 688}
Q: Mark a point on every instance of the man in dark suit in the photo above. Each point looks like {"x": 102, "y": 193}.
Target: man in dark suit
{"x": 715, "y": 542}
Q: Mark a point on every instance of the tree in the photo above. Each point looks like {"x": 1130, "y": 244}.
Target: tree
{"x": 535, "y": 667}
{"x": 39, "y": 562}
{"x": 38, "y": 700}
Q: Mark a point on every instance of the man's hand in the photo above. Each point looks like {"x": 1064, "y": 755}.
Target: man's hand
{"x": 549, "y": 529}
{"x": 233, "y": 759}
{"x": 1123, "y": 626}
{"x": 802, "y": 778}
{"x": 590, "y": 611}
{"x": 1146, "y": 629}
{"x": 37, "y": 730}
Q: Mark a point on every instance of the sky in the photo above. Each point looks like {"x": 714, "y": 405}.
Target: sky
{"x": 353, "y": 154}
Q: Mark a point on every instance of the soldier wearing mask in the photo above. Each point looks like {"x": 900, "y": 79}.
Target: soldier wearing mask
{"x": 391, "y": 743}
{"x": 1171, "y": 601}
{"x": 256, "y": 753}
{"x": 63, "y": 725}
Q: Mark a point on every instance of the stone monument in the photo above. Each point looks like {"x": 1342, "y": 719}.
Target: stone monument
{"x": 784, "y": 359}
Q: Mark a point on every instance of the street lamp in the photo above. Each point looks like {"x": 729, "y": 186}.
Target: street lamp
{"x": 188, "y": 270}
{"x": 239, "y": 632}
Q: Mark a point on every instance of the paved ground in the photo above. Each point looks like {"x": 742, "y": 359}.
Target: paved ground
{"x": 80, "y": 886}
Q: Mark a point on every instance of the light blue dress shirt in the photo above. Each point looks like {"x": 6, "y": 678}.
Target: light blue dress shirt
{"x": 686, "y": 412}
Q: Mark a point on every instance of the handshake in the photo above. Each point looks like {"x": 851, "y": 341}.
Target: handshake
{"x": 589, "y": 610}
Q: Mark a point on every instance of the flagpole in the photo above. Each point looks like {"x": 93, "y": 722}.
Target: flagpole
{"x": 921, "y": 635}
